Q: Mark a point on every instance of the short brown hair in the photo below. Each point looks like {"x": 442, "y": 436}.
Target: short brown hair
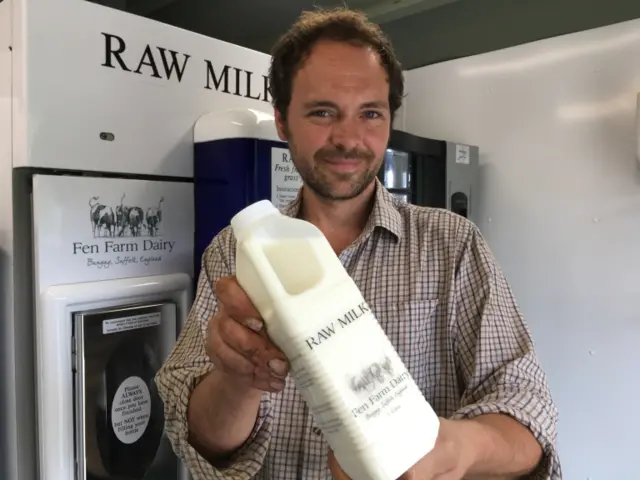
{"x": 339, "y": 24}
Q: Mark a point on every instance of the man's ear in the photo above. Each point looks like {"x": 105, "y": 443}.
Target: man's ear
{"x": 281, "y": 126}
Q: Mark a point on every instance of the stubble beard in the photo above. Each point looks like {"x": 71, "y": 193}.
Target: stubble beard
{"x": 331, "y": 185}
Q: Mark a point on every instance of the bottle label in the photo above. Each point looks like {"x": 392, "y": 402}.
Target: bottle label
{"x": 378, "y": 386}
{"x": 349, "y": 374}
{"x": 335, "y": 327}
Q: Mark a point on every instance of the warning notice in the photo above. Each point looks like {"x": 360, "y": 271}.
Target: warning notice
{"x": 131, "y": 410}
{"x": 133, "y": 322}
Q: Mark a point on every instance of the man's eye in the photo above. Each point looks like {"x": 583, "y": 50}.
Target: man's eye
{"x": 320, "y": 113}
{"x": 372, "y": 114}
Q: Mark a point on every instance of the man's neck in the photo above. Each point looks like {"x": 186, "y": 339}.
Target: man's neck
{"x": 341, "y": 221}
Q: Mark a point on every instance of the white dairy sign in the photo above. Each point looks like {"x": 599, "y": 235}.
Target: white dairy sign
{"x": 89, "y": 228}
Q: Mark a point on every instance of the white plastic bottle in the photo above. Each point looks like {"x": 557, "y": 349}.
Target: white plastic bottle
{"x": 364, "y": 400}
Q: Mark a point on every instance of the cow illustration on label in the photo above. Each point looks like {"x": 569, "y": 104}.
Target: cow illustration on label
{"x": 124, "y": 220}
{"x": 154, "y": 217}
{"x": 102, "y": 218}
{"x": 129, "y": 218}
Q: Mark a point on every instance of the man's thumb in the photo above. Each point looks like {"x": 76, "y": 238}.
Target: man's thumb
{"x": 335, "y": 469}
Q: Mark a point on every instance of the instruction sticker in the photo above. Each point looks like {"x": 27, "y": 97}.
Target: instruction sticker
{"x": 134, "y": 322}
{"x": 131, "y": 410}
{"x": 285, "y": 179}
{"x": 462, "y": 154}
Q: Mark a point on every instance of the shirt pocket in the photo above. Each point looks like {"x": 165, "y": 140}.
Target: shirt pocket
{"x": 409, "y": 326}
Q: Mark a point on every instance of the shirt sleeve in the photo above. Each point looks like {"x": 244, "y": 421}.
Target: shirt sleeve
{"x": 188, "y": 363}
{"x": 495, "y": 354}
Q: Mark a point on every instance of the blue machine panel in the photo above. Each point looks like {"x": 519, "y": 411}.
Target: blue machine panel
{"x": 229, "y": 174}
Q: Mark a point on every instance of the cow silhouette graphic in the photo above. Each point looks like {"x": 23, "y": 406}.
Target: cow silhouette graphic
{"x": 125, "y": 220}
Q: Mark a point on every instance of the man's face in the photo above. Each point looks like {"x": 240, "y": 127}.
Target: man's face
{"x": 338, "y": 121}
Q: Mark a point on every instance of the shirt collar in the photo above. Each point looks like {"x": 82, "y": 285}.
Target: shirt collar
{"x": 385, "y": 213}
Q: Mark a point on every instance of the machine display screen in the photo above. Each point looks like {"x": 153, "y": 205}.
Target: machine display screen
{"x": 396, "y": 169}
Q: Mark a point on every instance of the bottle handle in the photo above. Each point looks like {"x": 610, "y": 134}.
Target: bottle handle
{"x": 272, "y": 283}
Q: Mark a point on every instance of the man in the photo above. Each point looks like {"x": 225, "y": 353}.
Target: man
{"x": 232, "y": 411}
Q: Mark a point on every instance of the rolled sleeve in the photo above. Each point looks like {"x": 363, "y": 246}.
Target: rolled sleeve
{"x": 495, "y": 354}
{"x": 188, "y": 363}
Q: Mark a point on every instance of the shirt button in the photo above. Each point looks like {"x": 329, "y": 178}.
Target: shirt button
{"x": 316, "y": 430}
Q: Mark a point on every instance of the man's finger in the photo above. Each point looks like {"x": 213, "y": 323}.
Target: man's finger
{"x": 231, "y": 361}
{"x": 237, "y": 304}
{"x": 244, "y": 341}
{"x": 255, "y": 347}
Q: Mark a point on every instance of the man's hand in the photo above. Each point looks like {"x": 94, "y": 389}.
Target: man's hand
{"x": 238, "y": 345}
{"x": 224, "y": 405}
{"x": 489, "y": 446}
{"x": 450, "y": 458}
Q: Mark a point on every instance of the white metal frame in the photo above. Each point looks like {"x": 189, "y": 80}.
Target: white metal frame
{"x": 54, "y": 355}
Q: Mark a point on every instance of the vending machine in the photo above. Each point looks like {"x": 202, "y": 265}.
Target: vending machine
{"x": 113, "y": 286}
{"x": 97, "y": 227}
{"x": 238, "y": 159}
{"x": 432, "y": 173}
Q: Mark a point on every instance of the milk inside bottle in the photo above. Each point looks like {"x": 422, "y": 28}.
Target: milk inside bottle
{"x": 359, "y": 392}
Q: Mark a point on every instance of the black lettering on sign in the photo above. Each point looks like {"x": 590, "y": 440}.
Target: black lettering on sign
{"x": 147, "y": 60}
{"x": 217, "y": 80}
{"x": 111, "y": 52}
{"x": 243, "y": 83}
{"x": 170, "y": 60}
{"x": 174, "y": 64}
{"x": 167, "y": 64}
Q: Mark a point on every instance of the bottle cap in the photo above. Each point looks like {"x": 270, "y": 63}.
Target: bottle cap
{"x": 251, "y": 214}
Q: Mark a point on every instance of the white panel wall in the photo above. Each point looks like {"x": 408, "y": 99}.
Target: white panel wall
{"x": 70, "y": 86}
{"x": 7, "y": 372}
{"x": 560, "y": 207}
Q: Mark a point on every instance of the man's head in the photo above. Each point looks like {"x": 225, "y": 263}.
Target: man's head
{"x": 335, "y": 84}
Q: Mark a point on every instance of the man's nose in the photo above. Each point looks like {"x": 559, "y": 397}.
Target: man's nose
{"x": 347, "y": 133}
